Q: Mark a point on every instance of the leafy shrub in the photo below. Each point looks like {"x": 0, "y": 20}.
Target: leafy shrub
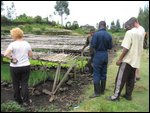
{"x": 42, "y": 28}
{"x": 11, "y": 107}
{"x": 28, "y": 28}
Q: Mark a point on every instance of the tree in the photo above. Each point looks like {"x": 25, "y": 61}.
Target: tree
{"x": 2, "y": 6}
{"x": 24, "y": 18}
{"x": 38, "y": 19}
{"x": 45, "y": 19}
{"x": 112, "y": 26}
{"x": 97, "y": 26}
{"x": 11, "y": 11}
{"x": 61, "y": 8}
{"x": 143, "y": 17}
{"x": 117, "y": 25}
{"x": 107, "y": 27}
{"x": 68, "y": 25}
{"x": 75, "y": 25}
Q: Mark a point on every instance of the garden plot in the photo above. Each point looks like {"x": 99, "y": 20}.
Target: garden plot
{"x": 51, "y": 43}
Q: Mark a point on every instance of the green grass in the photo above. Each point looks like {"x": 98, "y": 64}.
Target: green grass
{"x": 5, "y": 73}
{"x": 11, "y": 106}
{"x": 140, "y": 102}
{"x": 117, "y": 34}
{"x": 50, "y": 108}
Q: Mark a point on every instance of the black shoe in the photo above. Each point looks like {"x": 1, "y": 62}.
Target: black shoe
{"x": 19, "y": 101}
{"x": 97, "y": 89}
{"x": 127, "y": 97}
{"x": 138, "y": 78}
{"x": 112, "y": 98}
{"x": 93, "y": 96}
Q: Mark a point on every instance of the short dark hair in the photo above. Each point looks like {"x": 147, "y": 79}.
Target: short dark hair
{"x": 133, "y": 20}
{"x": 102, "y": 24}
{"x": 128, "y": 25}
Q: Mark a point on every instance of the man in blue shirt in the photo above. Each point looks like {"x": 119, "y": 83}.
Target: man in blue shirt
{"x": 101, "y": 42}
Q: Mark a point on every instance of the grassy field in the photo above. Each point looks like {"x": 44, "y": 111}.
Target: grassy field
{"x": 140, "y": 102}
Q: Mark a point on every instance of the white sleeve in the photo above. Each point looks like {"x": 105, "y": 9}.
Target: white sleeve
{"x": 10, "y": 47}
{"x": 126, "y": 43}
{"x": 29, "y": 46}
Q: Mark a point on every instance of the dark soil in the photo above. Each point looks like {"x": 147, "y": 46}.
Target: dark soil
{"x": 65, "y": 98}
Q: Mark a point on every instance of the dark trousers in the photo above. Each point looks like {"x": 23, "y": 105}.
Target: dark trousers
{"x": 20, "y": 77}
{"x": 100, "y": 62}
{"x": 126, "y": 74}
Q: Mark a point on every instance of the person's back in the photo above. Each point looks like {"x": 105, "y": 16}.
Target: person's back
{"x": 100, "y": 43}
{"x": 129, "y": 60}
{"x": 135, "y": 45}
{"x": 20, "y": 52}
{"x": 103, "y": 40}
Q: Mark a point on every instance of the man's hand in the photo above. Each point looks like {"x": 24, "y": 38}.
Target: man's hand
{"x": 118, "y": 62}
{"x": 124, "y": 52}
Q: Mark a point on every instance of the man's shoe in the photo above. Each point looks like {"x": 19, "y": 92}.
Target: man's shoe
{"x": 113, "y": 98}
{"x": 127, "y": 97}
{"x": 93, "y": 96}
{"x": 97, "y": 89}
{"x": 137, "y": 78}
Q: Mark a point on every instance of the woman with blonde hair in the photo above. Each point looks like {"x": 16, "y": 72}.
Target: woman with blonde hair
{"x": 19, "y": 52}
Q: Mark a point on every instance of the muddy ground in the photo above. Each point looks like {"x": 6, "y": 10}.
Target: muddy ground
{"x": 66, "y": 98}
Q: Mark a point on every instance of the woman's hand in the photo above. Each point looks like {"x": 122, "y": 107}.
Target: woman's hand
{"x": 14, "y": 60}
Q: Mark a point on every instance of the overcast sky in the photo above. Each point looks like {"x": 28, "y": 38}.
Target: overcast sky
{"x": 85, "y": 12}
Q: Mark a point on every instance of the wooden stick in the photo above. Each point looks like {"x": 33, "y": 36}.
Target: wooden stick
{"x": 75, "y": 75}
{"x": 58, "y": 76}
{"x": 65, "y": 76}
{"x": 55, "y": 80}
